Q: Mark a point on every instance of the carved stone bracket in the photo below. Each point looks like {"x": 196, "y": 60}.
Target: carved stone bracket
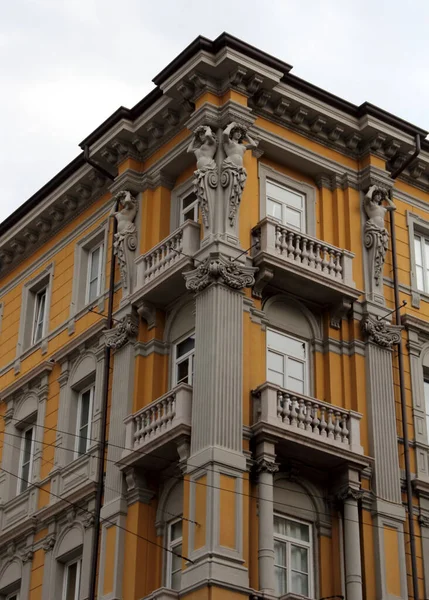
{"x": 147, "y": 312}
{"x": 88, "y": 521}
{"x": 27, "y": 555}
{"x": 221, "y": 270}
{"x": 123, "y": 332}
{"x": 424, "y": 520}
{"x": 339, "y": 312}
{"x": 49, "y": 542}
{"x": 137, "y": 489}
{"x": 125, "y": 241}
{"x": 263, "y": 278}
{"x": 381, "y": 332}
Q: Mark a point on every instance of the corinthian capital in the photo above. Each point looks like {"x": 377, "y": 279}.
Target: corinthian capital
{"x": 124, "y": 331}
{"x": 351, "y": 493}
{"x": 221, "y": 270}
{"x": 381, "y": 332}
{"x": 262, "y": 465}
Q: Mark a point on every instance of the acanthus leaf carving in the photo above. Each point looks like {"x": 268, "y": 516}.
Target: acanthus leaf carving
{"x": 263, "y": 465}
{"x": 349, "y": 492}
{"x": 381, "y": 332}
{"x": 222, "y": 270}
{"x": 124, "y": 331}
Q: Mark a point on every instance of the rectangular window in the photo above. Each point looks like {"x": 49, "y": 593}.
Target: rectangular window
{"x": 286, "y": 205}
{"x": 94, "y": 273}
{"x": 14, "y": 596}
{"x": 184, "y": 360}
{"x": 287, "y": 362}
{"x": 26, "y": 459}
{"x": 421, "y": 252}
{"x": 189, "y": 208}
{"x": 39, "y": 316}
{"x": 292, "y": 557}
{"x": 84, "y": 417}
{"x": 174, "y": 559}
{"x": 71, "y": 583}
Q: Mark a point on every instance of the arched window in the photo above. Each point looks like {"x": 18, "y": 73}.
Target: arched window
{"x": 169, "y": 523}
{"x": 68, "y": 567}
{"x": 180, "y": 334}
{"x": 10, "y": 580}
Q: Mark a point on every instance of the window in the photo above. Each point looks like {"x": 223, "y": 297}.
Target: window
{"x": 292, "y": 556}
{"x": 71, "y": 583}
{"x": 189, "y": 208}
{"x": 287, "y": 361}
{"x": 95, "y": 273}
{"x": 421, "y": 254}
{"x": 83, "y": 421}
{"x": 14, "y": 596}
{"x": 26, "y": 458}
{"x": 184, "y": 360}
{"x": 286, "y": 205}
{"x": 426, "y": 388}
{"x": 39, "y": 316}
{"x": 174, "y": 561}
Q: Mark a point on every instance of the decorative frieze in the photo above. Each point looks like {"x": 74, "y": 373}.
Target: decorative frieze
{"x": 221, "y": 270}
{"x": 381, "y": 332}
{"x": 123, "y": 332}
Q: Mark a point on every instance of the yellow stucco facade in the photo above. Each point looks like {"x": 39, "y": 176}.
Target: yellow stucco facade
{"x": 255, "y": 443}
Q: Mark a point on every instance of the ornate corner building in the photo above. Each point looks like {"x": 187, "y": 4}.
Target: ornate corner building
{"x": 208, "y": 293}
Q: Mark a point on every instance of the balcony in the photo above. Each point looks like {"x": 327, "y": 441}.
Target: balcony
{"x": 160, "y": 271}
{"x": 153, "y": 433}
{"x": 301, "y": 424}
{"x": 302, "y": 265}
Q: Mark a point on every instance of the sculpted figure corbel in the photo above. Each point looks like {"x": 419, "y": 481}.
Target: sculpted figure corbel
{"x": 125, "y": 241}
{"x": 376, "y": 204}
{"x": 204, "y": 146}
{"x": 234, "y": 174}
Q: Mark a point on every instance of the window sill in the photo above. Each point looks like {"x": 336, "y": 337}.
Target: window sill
{"x": 162, "y": 594}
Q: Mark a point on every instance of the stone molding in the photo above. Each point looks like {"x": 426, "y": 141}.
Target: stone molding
{"x": 126, "y": 330}
{"x": 380, "y": 332}
{"x": 218, "y": 269}
{"x": 137, "y": 490}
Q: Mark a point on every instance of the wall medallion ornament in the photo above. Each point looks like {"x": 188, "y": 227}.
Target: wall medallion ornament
{"x": 125, "y": 241}
{"x": 381, "y": 332}
{"x": 376, "y": 237}
{"x": 124, "y": 331}
{"x": 221, "y": 270}
{"x": 234, "y": 174}
{"x": 204, "y": 146}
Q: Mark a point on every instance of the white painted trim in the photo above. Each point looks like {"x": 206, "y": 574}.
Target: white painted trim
{"x": 177, "y": 195}
{"x": 172, "y": 546}
{"x": 21, "y": 460}
{"x": 78, "y": 562}
{"x": 91, "y": 389}
{"x": 176, "y": 362}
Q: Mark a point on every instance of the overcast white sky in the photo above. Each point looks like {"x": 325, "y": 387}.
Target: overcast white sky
{"x": 66, "y": 65}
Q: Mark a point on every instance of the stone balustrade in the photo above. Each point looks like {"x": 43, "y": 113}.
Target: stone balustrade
{"x": 301, "y": 249}
{"x": 307, "y": 416}
{"x": 160, "y": 420}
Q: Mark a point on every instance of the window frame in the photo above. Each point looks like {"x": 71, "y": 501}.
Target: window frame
{"x": 309, "y": 192}
{"x": 91, "y": 389}
{"x": 67, "y": 565}
{"x": 285, "y": 206}
{"x": 305, "y": 362}
{"x": 12, "y": 596}
{"x": 289, "y": 541}
{"x": 176, "y": 362}
{"x": 178, "y": 194}
{"x": 21, "y": 480}
{"x": 420, "y": 227}
{"x": 100, "y": 271}
{"x": 193, "y": 205}
{"x": 171, "y": 544}
{"x": 42, "y": 293}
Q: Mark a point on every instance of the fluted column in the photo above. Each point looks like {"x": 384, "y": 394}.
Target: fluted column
{"x": 352, "y": 552}
{"x": 266, "y": 467}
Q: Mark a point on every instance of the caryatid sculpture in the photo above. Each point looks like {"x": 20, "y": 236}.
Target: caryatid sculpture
{"x": 204, "y": 146}
{"x": 125, "y": 241}
{"x": 376, "y": 204}
{"x": 234, "y": 174}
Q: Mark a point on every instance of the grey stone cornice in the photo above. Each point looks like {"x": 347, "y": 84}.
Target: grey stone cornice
{"x": 410, "y": 322}
{"x": 37, "y": 373}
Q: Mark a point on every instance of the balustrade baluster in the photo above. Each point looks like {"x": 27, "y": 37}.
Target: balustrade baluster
{"x": 331, "y": 263}
{"x": 298, "y": 251}
{"x": 330, "y": 425}
{"x": 172, "y": 408}
{"x": 301, "y": 413}
{"x": 293, "y": 411}
{"x": 318, "y": 259}
{"x": 338, "y": 266}
{"x": 315, "y": 421}
{"x": 325, "y": 263}
{"x": 308, "y": 416}
{"x": 337, "y": 427}
{"x": 323, "y": 423}
{"x": 311, "y": 256}
{"x": 287, "y": 408}
{"x": 344, "y": 430}
{"x": 290, "y": 247}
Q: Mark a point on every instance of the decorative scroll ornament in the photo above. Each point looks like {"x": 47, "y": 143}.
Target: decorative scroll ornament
{"x": 381, "y": 332}
{"x": 234, "y": 174}
{"x": 222, "y": 270}
{"x": 376, "y": 236}
{"x": 204, "y": 146}
{"x": 124, "y": 331}
{"x": 125, "y": 241}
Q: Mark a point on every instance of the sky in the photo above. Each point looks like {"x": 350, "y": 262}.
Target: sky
{"x": 66, "y": 65}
